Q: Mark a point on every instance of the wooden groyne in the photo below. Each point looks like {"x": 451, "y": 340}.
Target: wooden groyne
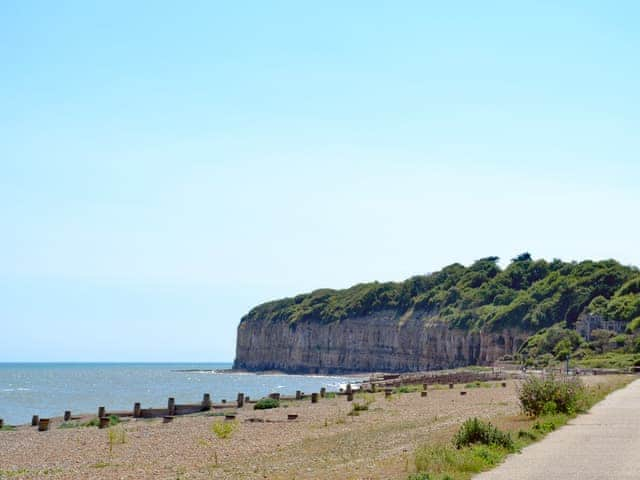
{"x": 379, "y": 382}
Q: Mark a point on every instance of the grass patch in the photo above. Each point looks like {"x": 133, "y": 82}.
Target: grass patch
{"x": 7, "y": 428}
{"x": 266, "y": 403}
{"x": 446, "y": 461}
{"x": 478, "y": 385}
{"x": 330, "y": 395}
{"x": 609, "y": 360}
{"x": 407, "y": 389}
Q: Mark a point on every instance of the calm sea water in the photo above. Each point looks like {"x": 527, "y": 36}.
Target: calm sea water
{"x": 48, "y": 389}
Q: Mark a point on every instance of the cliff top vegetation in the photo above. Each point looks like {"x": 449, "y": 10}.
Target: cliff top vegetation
{"x": 530, "y": 294}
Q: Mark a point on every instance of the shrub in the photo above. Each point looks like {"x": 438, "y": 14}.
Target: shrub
{"x": 476, "y": 431}
{"x": 266, "y": 403}
{"x": 223, "y": 429}
{"x": 551, "y": 395}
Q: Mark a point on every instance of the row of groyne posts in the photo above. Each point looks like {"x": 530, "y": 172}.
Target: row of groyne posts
{"x": 386, "y": 383}
{"x": 104, "y": 417}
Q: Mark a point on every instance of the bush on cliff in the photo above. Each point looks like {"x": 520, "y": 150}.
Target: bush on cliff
{"x": 530, "y": 294}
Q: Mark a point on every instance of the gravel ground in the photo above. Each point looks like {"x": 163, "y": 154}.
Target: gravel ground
{"x": 324, "y": 442}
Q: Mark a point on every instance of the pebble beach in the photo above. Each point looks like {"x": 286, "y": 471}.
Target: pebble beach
{"x": 324, "y": 441}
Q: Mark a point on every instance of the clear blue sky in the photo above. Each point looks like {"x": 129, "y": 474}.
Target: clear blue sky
{"x": 165, "y": 166}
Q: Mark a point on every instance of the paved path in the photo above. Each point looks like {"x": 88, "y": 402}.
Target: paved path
{"x": 602, "y": 444}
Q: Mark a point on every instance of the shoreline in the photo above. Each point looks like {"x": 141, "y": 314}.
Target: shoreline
{"x": 327, "y": 439}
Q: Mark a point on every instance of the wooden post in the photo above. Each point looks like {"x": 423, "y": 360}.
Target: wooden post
{"x": 349, "y": 389}
{"x": 67, "y": 415}
{"x": 463, "y": 392}
{"x": 247, "y": 399}
{"x": 504, "y": 384}
{"x": 298, "y": 395}
{"x": 451, "y": 385}
{"x": 206, "y": 401}
{"x": 423, "y": 393}
{"x": 104, "y": 422}
{"x": 240, "y": 400}
{"x": 374, "y": 388}
{"x": 34, "y": 420}
{"x": 387, "y": 392}
{"x": 1, "y": 423}
{"x": 350, "y": 397}
{"x": 136, "y": 410}
{"x": 43, "y": 425}
{"x": 101, "y": 412}
{"x": 229, "y": 416}
{"x": 171, "y": 406}
{"x": 292, "y": 416}
{"x": 424, "y": 386}
{"x": 314, "y": 398}
{"x": 323, "y": 392}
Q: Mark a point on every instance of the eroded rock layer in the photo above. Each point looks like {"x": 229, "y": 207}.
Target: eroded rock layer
{"x": 378, "y": 342}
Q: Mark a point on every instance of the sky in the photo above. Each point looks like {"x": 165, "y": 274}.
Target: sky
{"x": 166, "y": 166}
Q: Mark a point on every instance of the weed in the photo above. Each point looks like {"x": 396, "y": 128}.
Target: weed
{"x": 116, "y": 436}
{"x": 94, "y": 422}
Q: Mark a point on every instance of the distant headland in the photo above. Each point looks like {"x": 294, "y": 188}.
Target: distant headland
{"x": 533, "y": 311}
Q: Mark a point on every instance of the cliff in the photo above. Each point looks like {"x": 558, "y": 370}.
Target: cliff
{"x": 376, "y": 342}
{"x": 456, "y": 317}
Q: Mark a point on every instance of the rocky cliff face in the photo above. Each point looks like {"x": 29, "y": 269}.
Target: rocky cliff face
{"x": 377, "y": 342}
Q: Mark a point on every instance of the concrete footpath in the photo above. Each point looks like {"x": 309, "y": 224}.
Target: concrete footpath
{"x": 601, "y": 444}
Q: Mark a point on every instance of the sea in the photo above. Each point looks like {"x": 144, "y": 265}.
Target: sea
{"x": 48, "y": 389}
